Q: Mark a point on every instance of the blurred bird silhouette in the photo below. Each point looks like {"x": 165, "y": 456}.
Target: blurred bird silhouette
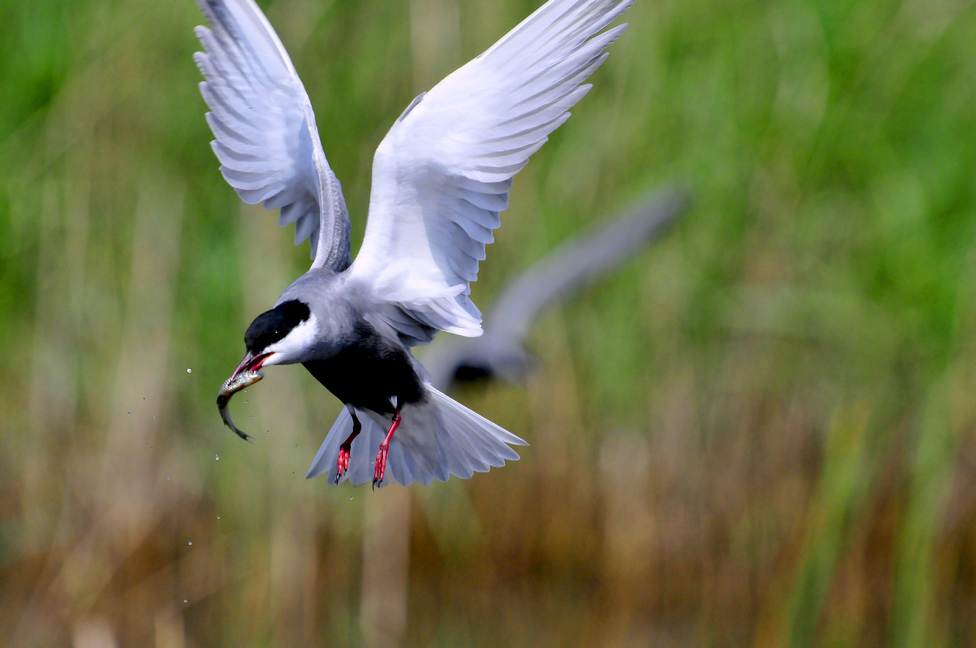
{"x": 500, "y": 353}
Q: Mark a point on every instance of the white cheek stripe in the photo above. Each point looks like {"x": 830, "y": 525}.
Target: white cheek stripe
{"x": 293, "y": 346}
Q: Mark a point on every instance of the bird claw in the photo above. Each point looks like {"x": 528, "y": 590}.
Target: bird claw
{"x": 342, "y": 463}
{"x": 379, "y": 472}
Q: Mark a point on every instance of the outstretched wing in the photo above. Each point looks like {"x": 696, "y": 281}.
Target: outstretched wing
{"x": 267, "y": 141}
{"x": 442, "y": 174}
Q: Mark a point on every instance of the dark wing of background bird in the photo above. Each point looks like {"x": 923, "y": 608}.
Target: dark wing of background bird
{"x": 500, "y": 352}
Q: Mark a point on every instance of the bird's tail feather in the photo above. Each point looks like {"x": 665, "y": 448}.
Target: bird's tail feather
{"x": 436, "y": 439}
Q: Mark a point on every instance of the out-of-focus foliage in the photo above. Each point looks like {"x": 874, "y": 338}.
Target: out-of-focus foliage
{"x": 758, "y": 433}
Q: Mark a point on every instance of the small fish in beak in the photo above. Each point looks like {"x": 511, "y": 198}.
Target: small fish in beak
{"x": 231, "y": 386}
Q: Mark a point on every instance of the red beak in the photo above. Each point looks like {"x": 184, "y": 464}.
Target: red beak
{"x": 251, "y": 362}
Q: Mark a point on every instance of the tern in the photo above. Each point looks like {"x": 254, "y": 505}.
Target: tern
{"x": 501, "y": 354}
{"x": 441, "y": 178}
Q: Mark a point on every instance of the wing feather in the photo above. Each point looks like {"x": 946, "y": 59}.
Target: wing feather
{"x": 442, "y": 174}
{"x": 266, "y": 138}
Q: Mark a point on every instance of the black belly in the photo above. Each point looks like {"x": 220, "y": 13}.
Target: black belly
{"x": 369, "y": 372}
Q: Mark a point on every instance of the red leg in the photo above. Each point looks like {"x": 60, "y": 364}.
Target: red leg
{"x": 380, "y": 471}
{"x": 342, "y": 464}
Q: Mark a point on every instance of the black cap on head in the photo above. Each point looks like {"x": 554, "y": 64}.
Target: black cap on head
{"x": 271, "y": 326}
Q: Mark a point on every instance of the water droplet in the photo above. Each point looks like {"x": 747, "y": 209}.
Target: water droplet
{"x": 218, "y": 457}
{"x": 188, "y": 370}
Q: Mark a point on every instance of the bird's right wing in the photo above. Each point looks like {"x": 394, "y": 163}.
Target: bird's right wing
{"x": 442, "y": 174}
{"x": 267, "y": 141}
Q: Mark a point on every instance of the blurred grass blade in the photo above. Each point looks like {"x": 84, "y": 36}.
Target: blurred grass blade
{"x": 847, "y": 473}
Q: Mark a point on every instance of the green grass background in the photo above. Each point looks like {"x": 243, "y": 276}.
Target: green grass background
{"x": 757, "y": 433}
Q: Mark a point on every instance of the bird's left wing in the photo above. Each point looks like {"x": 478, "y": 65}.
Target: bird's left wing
{"x": 442, "y": 174}
{"x": 267, "y": 141}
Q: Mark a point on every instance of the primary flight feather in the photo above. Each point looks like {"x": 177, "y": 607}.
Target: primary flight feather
{"x": 441, "y": 178}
